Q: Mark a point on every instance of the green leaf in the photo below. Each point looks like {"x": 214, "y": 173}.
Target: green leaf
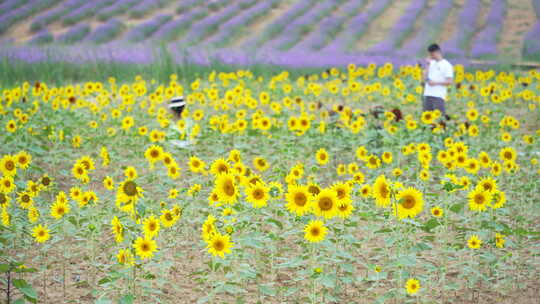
{"x": 429, "y": 225}
{"x": 328, "y": 280}
{"x": 26, "y": 289}
{"x": 103, "y": 301}
{"x": 127, "y": 299}
{"x": 267, "y": 290}
{"x": 4, "y": 267}
{"x": 456, "y": 208}
{"x": 276, "y": 222}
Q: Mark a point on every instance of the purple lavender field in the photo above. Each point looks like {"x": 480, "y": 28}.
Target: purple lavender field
{"x": 290, "y": 33}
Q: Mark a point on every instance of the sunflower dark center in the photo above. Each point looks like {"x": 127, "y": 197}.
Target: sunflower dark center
{"x": 228, "y": 188}
{"x": 130, "y": 188}
{"x": 315, "y": 231}
{"x": 219, "y": 245}
{"x": 300, "y": 199}
{"x": 408, "y": 202}
{"x": 45, "y": 181}
{"x": 258, "y": 194}
{"x": 325, "y": 203}
{"x": 10, "y": 165}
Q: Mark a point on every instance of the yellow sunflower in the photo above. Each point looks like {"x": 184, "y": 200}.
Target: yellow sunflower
{"x": 298, "y": 199}
{"x": 145, "y": 247}
{"x": 322, "y": 156}
{"x": 40, "y": 233}
{"x": 325, "y": 203}
{"x": 258, "y": 194}
{"x": 479, "y": 199}
{"x": 409, "y": 203}
{"x": 474, "y": 242}
{"x": 412, "y": 286}
{"x": 154, "y": 154}
{"x": 151, "y": 227}
{"x": 59, "y": 209}
{"x": 8, "y": 165}
{"x": 315, "y": 231}
{"x": 381, "y": 191}
{"x": 219, "y": 166}
{"x": 226, "y": 189}
{"x": 219, "y": 245}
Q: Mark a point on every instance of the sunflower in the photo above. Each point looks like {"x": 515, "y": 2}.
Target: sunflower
{"x": 127, "y": 194}
{"x": 325, "y": 203}
{"x": 488, "y": 184}
{"x": 196, "y": 165}
{"x": 4, "y": 200}
{"x": 208, "y": 228}
{"x": 45, "y": 181}
{"x": 145, "y": 247}
{"x": 373, "y": 162}
{"x": 507, "y": 154}
{"x": 130, "y": 172}
{"x": 387, "y": 157}
{"x": 474, "y": 242}
{"x": 258, "y": 194}
{"x": 108, "y": 183}
{"x": 412, "y": 286}
{"x": 23, "y": 159}
{"x": 8, "y": 165}
{"x": 479, "y": 199}
{"x": 11, "y": 126}
{"x": 344, "y": 210}
{"x": 381, "y": 191}
{"x": 6, "y": 184}
{"x": 298, "y": 199}
{"x": 125, "y": 257}
{"x": 220, "y": 245}
{"x": 365, "y": 191}
{"x": 40, "y": 233}
{"x": 315, "y": 231}
{"x": 168, "y": 218}
{"x": 226, "y": 188}
{"x": 343, "y": 192}
{"x": 499, "y": 240}
{"x": 410, "y": 203}
{"x": 499, "y": 198}
{"x": 321, "y": 156}
{"x": 59, "y": 209}
{"x": 260, "y": 164}
{"x": 117, "y": 229}
{"x": 173, "y": 171}
{"x": 437, "y": 211}
{"x": 25, "y": 199}
{"x": 219, "y": 166}
{"x": 154, "y": 154}
{"x": 79, "y": 172}
{"x": 150, "y": 227}
{"x": 87, "y": 162}
{"x": 33, "y": 214}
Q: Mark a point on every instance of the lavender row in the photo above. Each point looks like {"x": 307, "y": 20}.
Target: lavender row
{"x": 228, "y": 30}
{"x": 186, "y": 5}
{"x": 53, "y": 15}
{"x": 431, "y": 26}
{"x": 12, "y": 16}
{"x": 485, "y": 43}
{"x": 42, "y": 37}
{"x": 85, "y": 11}
{"x": 117, "y": 8}
{"x": 146, "y": 29}
{"x": 357, "y": 27}
{"x": 171, "y": 31}
{"x": 106, "y": 32}
{"x": 145, "y": 7}
{"x": 401, "y": 28}
{"x": 10, "y": 5}
{"x": 329, "y": 27}
{"x": 203, "y": 28}
{"x": 75, "y": 34}
{"x": 456, "y": 46}
{"x": 145, "y": 54}
{"x": 294, "y": 31}
{"x": 531, "y": 44}
{"x": 276, "y": 27}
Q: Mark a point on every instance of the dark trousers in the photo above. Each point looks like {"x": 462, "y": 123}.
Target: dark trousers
{"x": 430, "y": 103}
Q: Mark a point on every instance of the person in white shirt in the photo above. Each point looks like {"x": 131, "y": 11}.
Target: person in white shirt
{"x": 438, "y": 75}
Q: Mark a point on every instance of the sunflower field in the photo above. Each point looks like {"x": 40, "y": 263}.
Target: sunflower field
{"x": 328, "y": 187}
